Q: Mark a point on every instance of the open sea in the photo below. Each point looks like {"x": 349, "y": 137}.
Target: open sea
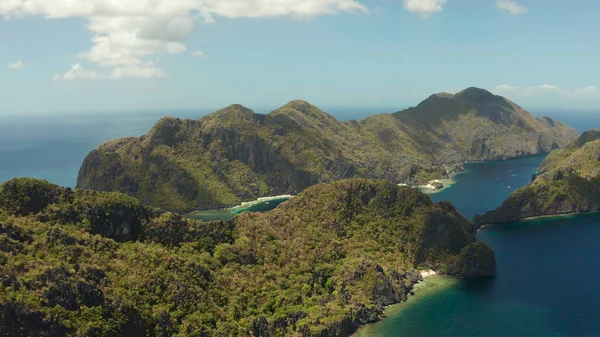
{"x": 548, "y": 276}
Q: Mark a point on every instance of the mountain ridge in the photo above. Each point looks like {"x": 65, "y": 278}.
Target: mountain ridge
{"x": 235, "y": 155}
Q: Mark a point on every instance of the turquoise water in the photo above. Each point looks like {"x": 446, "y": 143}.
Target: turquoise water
{"x": 228, "y": 213}
{"x": 548, "y": 276}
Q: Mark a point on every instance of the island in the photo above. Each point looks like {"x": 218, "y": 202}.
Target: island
{"x": 235, "y": 155}
{"x": 87, "y": 263}
{"x": 568, "y": 182}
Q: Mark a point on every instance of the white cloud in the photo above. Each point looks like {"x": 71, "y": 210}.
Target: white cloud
{"x": 549, "y": 93}
{"x": 77, "y": 71}
{"x": 142, "y": 71}
{"x": 128, "y": 32}
{"x": 511, "y": 6}
{"x": 424, "y": 7}
{"x": 198, "y": 53}
{"x": 17, "y": 65}
{"x": 504, "y": 87}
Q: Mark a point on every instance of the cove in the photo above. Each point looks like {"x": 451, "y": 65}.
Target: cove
{"x": 259, "y": 205}
{"x": 548, "y": 278}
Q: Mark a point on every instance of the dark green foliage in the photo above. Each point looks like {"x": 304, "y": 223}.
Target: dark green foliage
{"x": 27, "y": 196}
{"x": 322, "y": 264}
{"x": 235, "y": 155}
{"x": 475, "y": 260}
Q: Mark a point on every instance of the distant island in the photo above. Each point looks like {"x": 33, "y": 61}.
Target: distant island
{"x": 568, "y": 182}
{"x": 234, "y": 155}
{"x": 86, "y": 263}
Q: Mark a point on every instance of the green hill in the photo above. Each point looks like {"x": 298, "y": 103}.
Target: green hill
{"x": 83, "y": 263}
{"x": 568, "y": 182}
{"x": 235, "y": 155}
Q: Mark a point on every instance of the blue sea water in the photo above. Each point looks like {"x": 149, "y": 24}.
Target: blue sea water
{"x": 53, "y": 146}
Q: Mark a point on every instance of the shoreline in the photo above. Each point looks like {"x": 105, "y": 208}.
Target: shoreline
{"x": 432, "y": 283}
{"x": 539, "y": 217}
{"x": 261, "y": 200}
{"x": 429, "y": 189}
{"x": 233, "y": 209}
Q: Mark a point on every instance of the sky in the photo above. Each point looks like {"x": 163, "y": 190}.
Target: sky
{"x": 100, "y": 55}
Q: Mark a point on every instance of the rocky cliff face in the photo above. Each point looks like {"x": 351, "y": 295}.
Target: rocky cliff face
{"x": 81, "y": 263}
{"x": 235, "y": 155}
{"x": 568, "y": 182}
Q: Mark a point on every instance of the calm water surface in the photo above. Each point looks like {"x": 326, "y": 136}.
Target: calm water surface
{"x": 548, "y": 276}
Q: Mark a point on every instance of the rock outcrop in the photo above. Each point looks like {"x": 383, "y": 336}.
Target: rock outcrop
{"x": 235, "y": 155}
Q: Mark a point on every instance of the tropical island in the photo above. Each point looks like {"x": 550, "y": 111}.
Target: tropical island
{"x": 114, "y": 257}
{"x": 87, "y": 263}
{"x": 568, "y": 182}
{"x": 235, "y": 155}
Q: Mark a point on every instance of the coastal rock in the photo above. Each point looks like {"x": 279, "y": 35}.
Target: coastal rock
{"x": 475, "y": 261}
{"x": 235, "y": 155}
{"x": 437, "y": 185}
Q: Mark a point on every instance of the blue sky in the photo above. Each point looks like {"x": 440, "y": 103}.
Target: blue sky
{"x": 95, "y": 55}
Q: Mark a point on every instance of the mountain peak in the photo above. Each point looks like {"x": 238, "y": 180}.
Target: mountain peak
{"x": 476, "y": 95}
{"x": 300, "y": 105}
{"x": 588, "y": 136}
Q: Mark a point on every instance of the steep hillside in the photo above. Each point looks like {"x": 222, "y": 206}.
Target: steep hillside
{"x": 235, "y": 155}
{"x": 81, "y": 263}
{"x": 568, "y": 182}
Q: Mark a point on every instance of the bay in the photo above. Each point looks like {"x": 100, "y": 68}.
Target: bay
{"x": 548, "y": 275}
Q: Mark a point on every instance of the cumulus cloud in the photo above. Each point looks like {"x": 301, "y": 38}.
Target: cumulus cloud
{"x": 198, "y": 53}
{"x": 511, "y": 6}
{"x": 77, "y": 71}
{"x": 17, "y": 65}
{"x": 126, "y": 33}
{"x": 424, "y": 7}
{"x": 504, "y": 87}
{"x": 142, "y": 71}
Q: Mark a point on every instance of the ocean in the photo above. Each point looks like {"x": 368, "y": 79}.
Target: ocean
{"x": 548, "y": 277}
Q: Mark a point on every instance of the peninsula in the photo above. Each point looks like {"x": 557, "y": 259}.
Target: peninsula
{"x": 568, "y": 182}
